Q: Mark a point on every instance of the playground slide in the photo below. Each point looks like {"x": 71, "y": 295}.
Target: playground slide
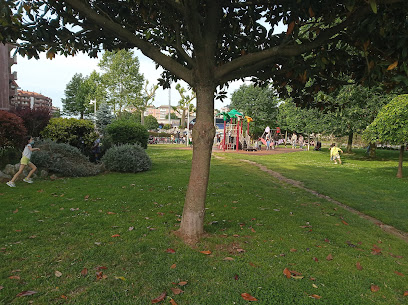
{"x": 263, "y": 141}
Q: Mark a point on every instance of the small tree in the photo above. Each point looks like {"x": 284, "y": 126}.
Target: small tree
{"x": 74, "y": 102}
{"x": 12, "y": 130}
{"x": 104, "y": 117}
{"x": 184, "y": 104}
{"x": 391, "y": 126}
{"x": 151, "y": 122}
{"x": 34, "y": 120}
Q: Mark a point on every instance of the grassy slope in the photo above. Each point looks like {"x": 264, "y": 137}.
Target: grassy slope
{"x": 57, "y": 225}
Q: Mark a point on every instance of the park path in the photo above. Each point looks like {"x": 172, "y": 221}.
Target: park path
{"x": 385, "y": 227}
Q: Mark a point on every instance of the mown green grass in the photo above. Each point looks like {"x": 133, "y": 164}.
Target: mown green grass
{"x": 263, "y": 224}
{"x": 367, "y": 185}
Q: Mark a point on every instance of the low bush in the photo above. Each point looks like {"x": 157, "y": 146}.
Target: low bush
{"x": 127, "y": 158}
{"x": 78, "y": 133}
{"x": 63, "y": 159}
{"x": 9, "y": 155}
{"x": 127, "y": 132}
{"x": 12, "y": 130}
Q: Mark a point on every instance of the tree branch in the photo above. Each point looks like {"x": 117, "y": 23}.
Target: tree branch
{"x": 284, "y": 50}
{"x": 146, "y": 48}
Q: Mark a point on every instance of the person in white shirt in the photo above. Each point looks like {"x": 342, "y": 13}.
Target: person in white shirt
{"x": 25, "y": 160}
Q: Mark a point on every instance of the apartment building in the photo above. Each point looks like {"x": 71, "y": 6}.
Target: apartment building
{"x": 32, "y": 100}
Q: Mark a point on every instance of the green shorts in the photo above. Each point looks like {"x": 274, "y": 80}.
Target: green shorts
{"x": 24, "y": 160}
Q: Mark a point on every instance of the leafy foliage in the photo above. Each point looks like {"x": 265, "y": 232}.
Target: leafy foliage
{"x": 12, "y": 130}
{"x": 391, "y": 124}
{"x": 34, "y": 120}
{"x": 121, "y": 79}
{"x": 104, "y": 117}
{"x": 127, "y": 158}
{"x": 151, "y": 122}
{"x": 258, "y": 103}
{"x": 127, "y": 132}
{"x": 75, "y": 132}
{"x": 63, "y": 159}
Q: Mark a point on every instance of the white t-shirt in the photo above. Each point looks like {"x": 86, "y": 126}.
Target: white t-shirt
{"x": 27, "y": 152}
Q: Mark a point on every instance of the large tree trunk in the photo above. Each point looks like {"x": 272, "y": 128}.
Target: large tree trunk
{"x": 192, "y": 223}
{"x": 401, "y": 158}
{"x": 373, "y": 148}
{"x": 350, "y": 143}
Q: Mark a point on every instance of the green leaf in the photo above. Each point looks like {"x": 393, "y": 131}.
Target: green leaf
{"x": 373, "y": 4}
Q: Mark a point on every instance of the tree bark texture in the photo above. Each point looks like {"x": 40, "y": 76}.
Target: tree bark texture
{"x": 192, "y": 223}
{"x": 142, "y": 118}
{"x": 350, "y": 143}
{"x": 401, "y": 157}
{"x": 373, "y": 148}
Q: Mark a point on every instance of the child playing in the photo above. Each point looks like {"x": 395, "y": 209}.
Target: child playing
{"x": 335, "y": 153}
{"x": 25, "y": 160}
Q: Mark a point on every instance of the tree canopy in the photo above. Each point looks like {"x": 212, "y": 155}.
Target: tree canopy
{"x": 259, "y": 103}
{"x": 209, "y": 43}
{"x": 391, "y": 126}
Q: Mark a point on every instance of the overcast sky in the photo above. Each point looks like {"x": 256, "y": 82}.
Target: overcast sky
{"x": 50, "y": 77}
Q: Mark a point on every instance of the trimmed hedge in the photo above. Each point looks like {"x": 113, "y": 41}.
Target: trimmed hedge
{"x": 127, "y": 158}
{"x": 127, "y": 132}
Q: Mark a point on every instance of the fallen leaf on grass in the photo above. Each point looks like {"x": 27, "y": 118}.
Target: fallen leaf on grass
{"x": 84, "y": 272}
{"x": 287, "y": 273}
{"x": 15, "y": 211}
{"x": 207, "y": 252}
{"x": 315, "y": 286}
{"x": 64, "y": 297}
{"x": 228, "y": 258}
{"x": 101, "y": 268}
{"x": 86, "y": 197}
{"x": 315, "y": 296}
{"x": 293, "y": 250}
{"x": 173, "y": 266}
{"x": 115, "y": 235}
{"x": 315, "y": 259}
{"x": 172, "y": 302}
{"x": 131, "y": 228}
{"x": 169, "y": 250}
{"x": 358, "y": 266}
{"x": 100, "y": 275}
{"x": 248, "y": 297}
{"x": 183, "y": 283}
{"x": 111, "y": 213}
{"x": 398, "y": 273}
{"x": 176, "y": 290}
{"x": 120, "y": 278}
{"x": 236, "y": 277}
{"x": 159, "y": 298}
{"x": 14, "y": 277}
{"x": 1, "y": 287}
{"x": 26, "y": 293}
{"x": 329, "y": 257}
{"x": 344, "y": 222}
{"x": 376, "y": 250}
{"x": 374, "y": 288}
{"x": 406, "y": 293}
{"x": 58, "y": 273}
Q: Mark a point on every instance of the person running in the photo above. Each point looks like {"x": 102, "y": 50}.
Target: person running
{"x": 25, "y": 160}
{"x": 335, "y": 153}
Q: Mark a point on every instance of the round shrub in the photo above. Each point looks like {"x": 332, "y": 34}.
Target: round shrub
{"x": 78, "y": 133}
{"x": 12, "y": 130}
{"x": 127, "y": 132}
{"x": 63, "y": 159}
{"x": 127, "y": 158}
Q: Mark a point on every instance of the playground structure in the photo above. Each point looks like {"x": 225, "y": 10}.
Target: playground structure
{"x": 234, "y": 137}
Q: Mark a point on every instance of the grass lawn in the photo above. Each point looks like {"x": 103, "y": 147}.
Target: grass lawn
{"x": 369, "y": 186}
{"x": 107, "y": 239}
